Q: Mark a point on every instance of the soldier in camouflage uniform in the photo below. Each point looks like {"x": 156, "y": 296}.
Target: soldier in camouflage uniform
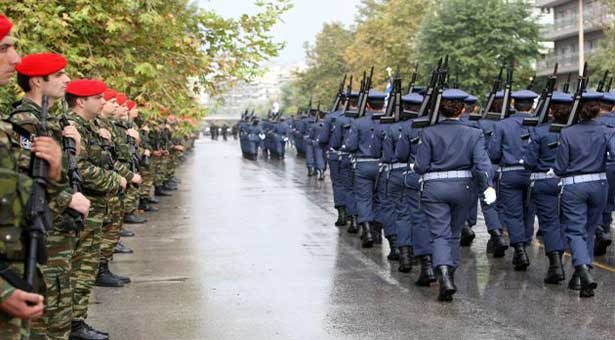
{"x": 159, "y": 137}
{"x": 43, "y": 75}
{"x": 17, "y": 306}
{"x": 145, "y": 165}
{"x": 100, "y": 183}
{"x": 131, "y": 200}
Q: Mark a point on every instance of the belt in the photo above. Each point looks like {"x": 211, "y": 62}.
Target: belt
{"x": 512, "y": 168}
{"x": 409, "y": 168}
{"x": 584, "y": 178}
{"x": 542, "y": 175}
{"x": 362, "y": 160}
{"x": 395, "y": 166}
{"x": 447, "y": 175}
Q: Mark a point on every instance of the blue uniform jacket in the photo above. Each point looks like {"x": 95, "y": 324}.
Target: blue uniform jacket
{"x": 506, "y": 147}
{"x": 539, "y": 157}
{"x": 583, "y": 149}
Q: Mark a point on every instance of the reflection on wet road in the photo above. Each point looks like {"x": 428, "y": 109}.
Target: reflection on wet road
{"x": 248, "y": 250}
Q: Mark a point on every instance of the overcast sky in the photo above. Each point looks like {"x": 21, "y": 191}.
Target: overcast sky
{"x": 301, "y": 23}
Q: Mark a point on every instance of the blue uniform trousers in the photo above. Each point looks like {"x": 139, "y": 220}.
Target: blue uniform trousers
{"x": 365, "y": 177}
{"x": 581, "y": 209}
{"x": 319, "y": 157}
{"x": 412, "y": 227}
{"x": 309, "y": 153}
{"x": 346, "y": 181}
{"x": 607, "y": 217}
{"x": 545, "y": 197}
{"x": 390, "y": 190}
{"x": 338, "y": 194}
{"x": 517, "y": 212}
{"x": 446, "y": 204}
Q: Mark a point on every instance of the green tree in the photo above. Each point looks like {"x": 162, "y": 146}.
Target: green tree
{"x": 602, "y": 59}
{"x": 479, "y": 36}
{"x": 160, "y": 52}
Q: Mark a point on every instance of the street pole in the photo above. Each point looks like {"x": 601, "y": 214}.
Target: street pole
{"x": 581, "y": 38}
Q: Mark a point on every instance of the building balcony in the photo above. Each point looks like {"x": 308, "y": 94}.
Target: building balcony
{"x": 566, "y": 27}
{"x": 550, "y": 3}
{"x": 567, "y": 63}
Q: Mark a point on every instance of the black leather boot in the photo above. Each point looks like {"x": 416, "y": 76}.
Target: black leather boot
{"x": 446, "y": 280}
{"x": 106, "y": 279}
{"x": 426, "y": 276}
{"x": 602, "y": 242}
{"x": 588, "y": 284}
{"x": 405, "y": 259}
{"x": 467, "y": 236}
{"x": 121, "y": 248}
{"x": 366, "y": 235}
{"x": 134, "y": 219}
{"x": 496, "y": 244}
{"x": 520, "y": 259}
{"x": 353, "y": 228}
{"x": 167, "y": 186}
{"x": 394, "y": 253}
{"x": 152, "y": 200}
{"x": 158, "y": 191}
{"x": 575, "y": 282}
{"x": 82, "y": 331}
{"x": 342, "y": 219}
{"x": 321, "y": 175}
{"x": 126, "y": 233}
{"x": 123, "y": 279}
{"x": 555, "y": 273}
{"x": 377, "y": 232}
{"x": 311, "y": 172}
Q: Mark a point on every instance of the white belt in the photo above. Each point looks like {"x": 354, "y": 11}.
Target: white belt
{"x": 542, "y": 175}
{"x": 584, "y": 178}
{"x": 398, "y": 166}
{"x": 361, "y": 160}
{"x": 512, "y": 168}
{"x": 447, "y": 175}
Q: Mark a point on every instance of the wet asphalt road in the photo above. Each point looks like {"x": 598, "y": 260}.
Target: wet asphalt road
{"x": 247, "y": 250}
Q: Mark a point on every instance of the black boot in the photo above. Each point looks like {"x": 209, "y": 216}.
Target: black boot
{"x": 426, "y": 276}
{"x": 126, "y": 233}
{"x": 311, "y": 172}
{"x": 496, "y": 244}
{"x": 394, "y": 253}
{"x": 602, "y": 242}
{"x": 575, "y": 282}
{"x": 158, "y": 191}
{"x": 467, "y": 236}
{"x": 366, "y": 235}
{"x": 405, "y": 259}
{"x": 134, "y": 219}
{"x": 166, "y": 186}
{"x": 353, "y": 228}
{"x": 342, "y": 219}
{"x": 321, "y": 175}
{"x": 152, "y": 200}
{"x": 123, "y": 279}
{"x": 520, "y": 259}
{"x": 446, "y": 280}
{"x": 377, "y": 232}
{"x": 588, "y": 284}
{"x": 82, "y": 331}
{"x": 105, "y": 278}
{"x": 121, "y": 248}
{"x": 555, "y": 273}
{"x": 540, "y": 233}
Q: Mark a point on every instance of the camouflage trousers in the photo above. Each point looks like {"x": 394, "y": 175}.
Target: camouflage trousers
{"x": 145, "y": 189}
{"x": 160, "y": 166}
{"x": 131, "y": 199}
{"x": 86, "y": 262}
{"x": 12, "y": 328}
{"x": 56, "y": 321}
{"x": 111, "y": 229}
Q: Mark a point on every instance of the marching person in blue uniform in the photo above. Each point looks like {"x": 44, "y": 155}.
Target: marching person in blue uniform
{"x": 603, "y": 238}
{"x": 308, "y": 146}
{"x": 450, "y": 154}
{"x": 544, "y": 185}
{"x": 314, "y": 133}
{"x": 507, "y": 149}
{"x": 364, "y": 141}
{"x": 413, "y": 235}
{"x": 581, "y": 163}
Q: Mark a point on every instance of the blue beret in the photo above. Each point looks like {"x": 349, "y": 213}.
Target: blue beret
{"x": 418, "y": 89}
{"x": 561, "y": 97}
{"x": 454, "y": 94}
{"x": 470, "y": 99}
{"x": 524, "y": 95}
{"x": 590, "y": 95}
{"x": 609, "y": 97}
{"x": 499, "y": 94}
{"x": 373, "y": 94}
{"x": 354, "y": 94}
{"x": 413, "y": 98}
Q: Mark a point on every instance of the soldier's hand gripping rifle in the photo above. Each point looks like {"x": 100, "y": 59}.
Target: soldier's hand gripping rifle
{"x": 573, "y": 117}
{"x": 433, "y": 96}
{"x": 340, "y": 94}
{"x": 38, "y": 215}
{"x": 497, "y": 85}
{"x": 394, "y": 108}
{"x": 544, "y": 103}
{"x": 72, "y": 219}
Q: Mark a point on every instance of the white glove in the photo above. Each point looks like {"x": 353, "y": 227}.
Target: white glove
{"x": 489, "y": 196}
{"x": 550, "y": 172}
{"x": 261, "y": 135}
{"x": 412, "y": 167}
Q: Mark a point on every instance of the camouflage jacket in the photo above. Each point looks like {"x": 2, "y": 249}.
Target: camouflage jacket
{"x": 121, "y": 153}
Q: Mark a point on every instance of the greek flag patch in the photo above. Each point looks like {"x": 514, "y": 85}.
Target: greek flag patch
{"x": 25, "y": 143}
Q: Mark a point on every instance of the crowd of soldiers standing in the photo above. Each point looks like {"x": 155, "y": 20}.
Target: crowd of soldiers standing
{"x": 415, "y": 165}
{"x": 71, "y": 178}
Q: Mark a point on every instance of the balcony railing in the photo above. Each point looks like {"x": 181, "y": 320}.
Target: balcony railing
{"x": 594, "y": 18}
{"x": 566, "y": 63}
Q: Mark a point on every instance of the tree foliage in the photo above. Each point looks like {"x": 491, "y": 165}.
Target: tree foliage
{"x": 160, "y": 52}
{"x": 602, "y": 59}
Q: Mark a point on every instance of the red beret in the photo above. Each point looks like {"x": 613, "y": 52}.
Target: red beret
{"x": 130, "y": 104}
{"x": 121, "y": 98}
{"x": 5, "y": 26}
{"x": 86, "y": 87}
{"x": 109, "y": 94}
{"x": 38, "y": 65}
